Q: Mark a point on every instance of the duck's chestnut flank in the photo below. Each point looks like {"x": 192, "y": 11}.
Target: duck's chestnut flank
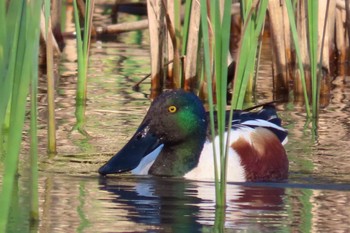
{"x": 263, "y": 157}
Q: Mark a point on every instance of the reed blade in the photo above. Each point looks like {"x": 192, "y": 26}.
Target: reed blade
{"x": 294, "y": 33}
{"x": 51, "y": 122}
{"x": 26, "y": 16}
{"x": 208, "y": 74}
{"x": 312, "y": 8}
{"x": 83, "y": 47}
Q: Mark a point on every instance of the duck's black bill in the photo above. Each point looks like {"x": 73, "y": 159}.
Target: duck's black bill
{"x": 130, "y": 156}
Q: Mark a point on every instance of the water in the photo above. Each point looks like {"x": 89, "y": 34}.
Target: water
{"x": 73, "y": 198}
{"x": 131, "y": 204}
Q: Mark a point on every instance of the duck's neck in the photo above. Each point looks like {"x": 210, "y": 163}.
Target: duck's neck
{"x": 178, "y": 159}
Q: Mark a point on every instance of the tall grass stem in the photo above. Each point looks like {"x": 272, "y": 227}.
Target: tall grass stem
{"x": 294, "y": 33}
{"x": 208, "y": 74}
{"x": 51, "y": 122}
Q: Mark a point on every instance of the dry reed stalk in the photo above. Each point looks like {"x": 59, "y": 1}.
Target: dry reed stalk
{"x": 170, "y": 48}
{"x": 340, "y": 35}
{"x": 191, "y": 75}
{"x": 288, "y": 43}
{"x": 173, "y": 80}
{"x": 156, "y": 31}
{"x": 51, "y": 129}
{"x": 347, "y": 10}
{"x": 302, "y": 34}
{"x": 323, "y": 34}
{"x": 279, "y": 25}
{"x": 331, "y": 33}
{"x": 123, "y": 27}
{"x": 43, "y": 35}
{"x": 323, "y": 48}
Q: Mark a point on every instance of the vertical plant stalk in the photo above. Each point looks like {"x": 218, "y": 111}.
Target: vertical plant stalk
{"x": 220, "y": 94}
{"x": 169, "y": 9}
{"x": 176, "y": 53}
{"x": 89, "y": 9}
{"x": 347, "y": 12}
{"x": 11, "y": 157}
{"x": 191, "y": 44}
{"x": 312, "y": 9}
{"x": 51, "y": 122}
{"x": 219, "y": 223}
{"x": 9, "y": 33}
{"x": 222, "y": 25}
{"x": 248, "y": 51}
{"x": 220, "y": 22}
{"x": 185, "y": 28}
{"x": 83, "y": 46}
{"x": 34, "y": 177}
{"x": 34, "y": 195}
{"x": 156, "y": 31}
{"x": 178, "y": 36}
{"x": 280, "y": 47}
{"x": 208, "y": 74}
{"x": 323, "y": 81}
{"x": 294, "y": 34}
{"x": 214, "y": 16}
{"x": 26, "y": 17}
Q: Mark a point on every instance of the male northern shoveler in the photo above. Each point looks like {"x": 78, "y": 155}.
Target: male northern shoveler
{"x": 172, "y": 141}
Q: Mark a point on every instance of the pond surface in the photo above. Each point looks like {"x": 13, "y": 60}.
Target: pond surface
{"x": 74, "y": 198}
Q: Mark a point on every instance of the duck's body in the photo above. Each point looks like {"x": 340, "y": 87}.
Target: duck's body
{"x": 172, "y": 141}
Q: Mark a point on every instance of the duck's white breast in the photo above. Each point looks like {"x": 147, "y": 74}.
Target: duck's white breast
{"x": 205, "y": 167}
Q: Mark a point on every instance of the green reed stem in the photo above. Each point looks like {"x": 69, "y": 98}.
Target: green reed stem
{"x": 89, "y": 9}
{"x": 185, "y": 28}
{"x": 247, "y": 52}
{"x": 312, "y": 9}
{"x": 7, "y": 79}
{"x": 220, "y": 93}
{"x": 220, "y": 217}
{"x": 294, "y": 33}
{"x": 226, "y": 30}
{"x": 9, "y": 34}
{"x": 222, "y": 35}
{"x": 81, "y": 82}
{"x": 83, "y": 46}
{"x": 24, "y": 16}
{"x": 207, "y": 68}
{"x": 34, "y": 174}
{"x": 220, "y": 100}
{"x": 221, "y": 29}
{"x": 34, "y": 195}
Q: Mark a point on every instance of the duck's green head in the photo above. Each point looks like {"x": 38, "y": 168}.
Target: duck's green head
{"x": 176, "y": 119}
{"x": 176, "y": 116}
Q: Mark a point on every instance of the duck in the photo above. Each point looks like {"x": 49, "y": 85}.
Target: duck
{"x": 174, "y": 140}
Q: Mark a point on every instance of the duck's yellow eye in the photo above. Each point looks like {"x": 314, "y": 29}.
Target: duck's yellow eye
{"x": 172, "y": 109}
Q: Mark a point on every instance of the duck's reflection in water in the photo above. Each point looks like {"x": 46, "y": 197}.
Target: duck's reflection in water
{"x": 178, "y": 205}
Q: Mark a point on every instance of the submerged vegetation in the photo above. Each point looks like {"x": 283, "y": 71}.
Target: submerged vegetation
{"x": 197, "y": 37}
